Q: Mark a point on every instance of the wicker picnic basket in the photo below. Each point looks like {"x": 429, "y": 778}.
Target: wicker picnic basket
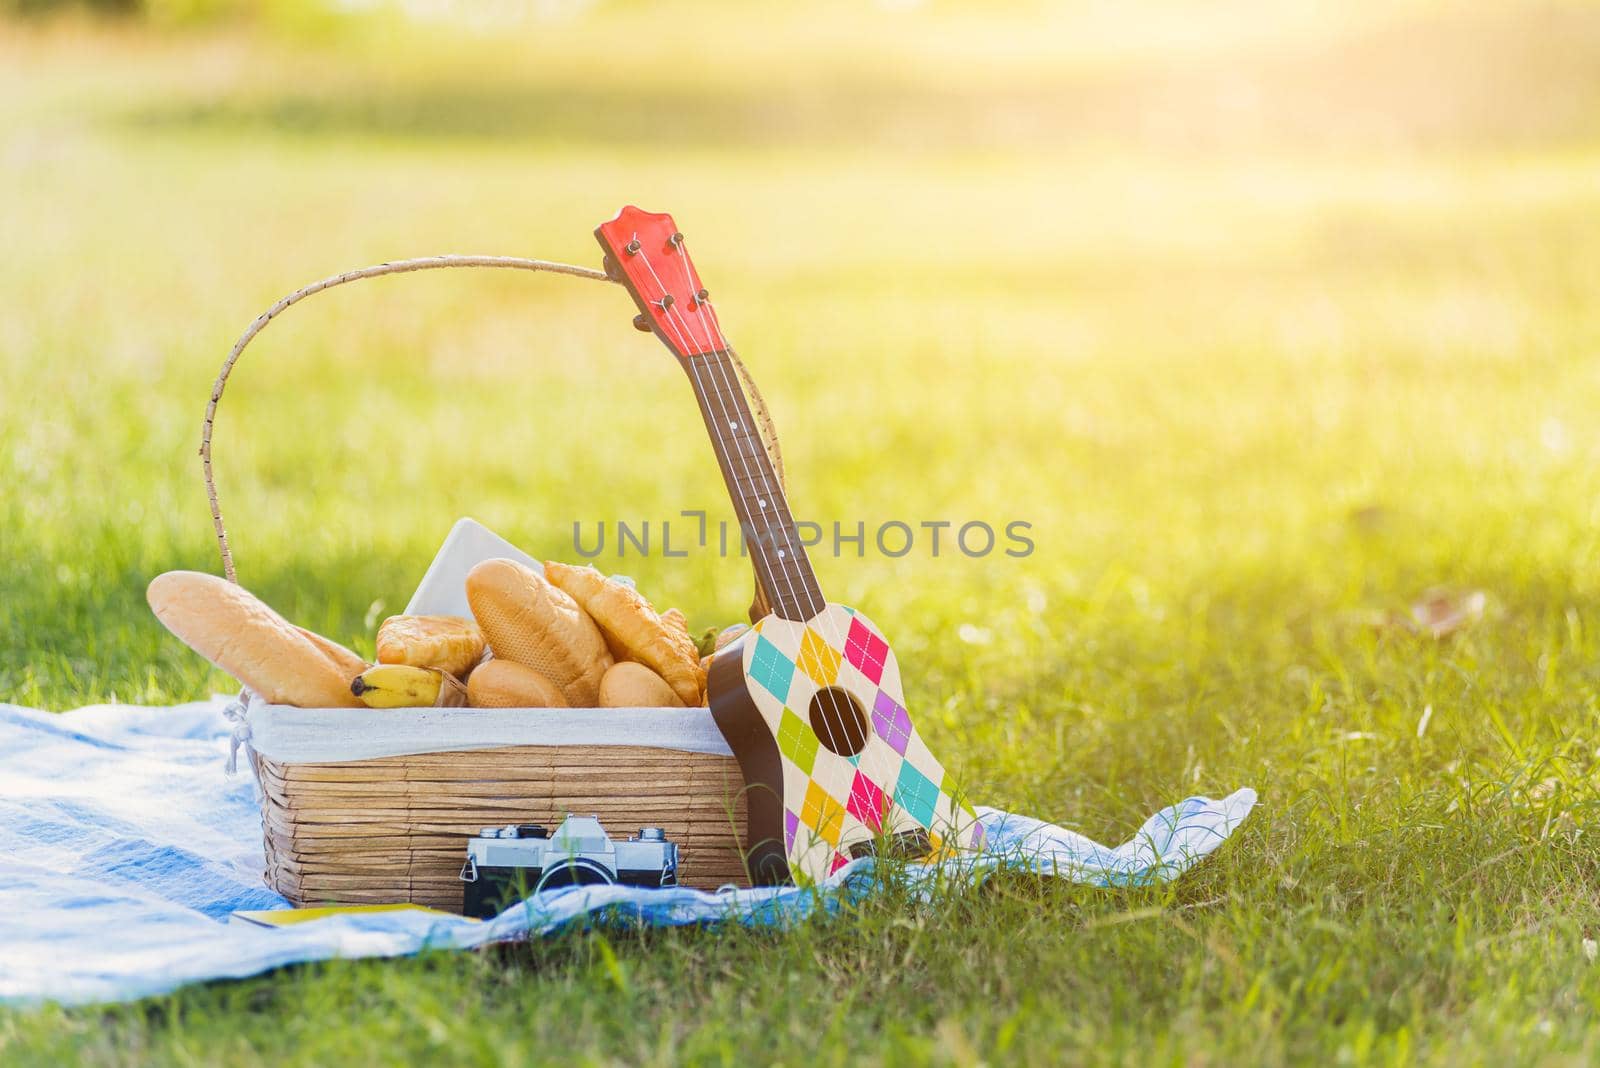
{"x": 393, "y": 828}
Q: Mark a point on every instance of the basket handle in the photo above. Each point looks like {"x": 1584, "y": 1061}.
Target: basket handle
{"x": 769, "y": 437}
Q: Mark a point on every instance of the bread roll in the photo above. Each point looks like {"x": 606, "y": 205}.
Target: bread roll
{"x": 528, "y": 621}
{"x": 673, "y": 617}
{"x": 507, "y": 684}
{"x": 449, "y": 643}
{"x": 630, "y": 685}
{"x": 629, "y": 621}
{"x": 270, "y": 656}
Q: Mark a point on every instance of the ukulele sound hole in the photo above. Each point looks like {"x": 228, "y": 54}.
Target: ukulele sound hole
{"x": 840, "y": 723}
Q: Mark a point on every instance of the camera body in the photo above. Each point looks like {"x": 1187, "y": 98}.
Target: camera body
{"x": 506, "y": 864}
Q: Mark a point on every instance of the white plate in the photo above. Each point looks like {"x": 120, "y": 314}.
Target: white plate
{"x": 443, "y": 589}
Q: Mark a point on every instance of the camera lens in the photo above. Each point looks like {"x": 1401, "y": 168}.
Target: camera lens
{"x": 578, "y": 871}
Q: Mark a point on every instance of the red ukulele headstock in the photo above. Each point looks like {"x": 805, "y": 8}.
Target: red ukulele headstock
{"x": 644, "y": 251}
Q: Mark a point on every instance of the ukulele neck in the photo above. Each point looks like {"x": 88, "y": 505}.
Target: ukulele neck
{"x": 770, "y": 534}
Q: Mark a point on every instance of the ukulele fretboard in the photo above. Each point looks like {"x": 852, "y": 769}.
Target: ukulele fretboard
{"x": 770, "y": 534}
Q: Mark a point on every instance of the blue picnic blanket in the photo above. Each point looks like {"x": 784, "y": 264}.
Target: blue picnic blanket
{"x": 125, "y": 847}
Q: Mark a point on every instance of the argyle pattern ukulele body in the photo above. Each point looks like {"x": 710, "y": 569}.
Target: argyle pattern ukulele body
{"x": 810, "y": 699}
{"x": 855, "y": 772}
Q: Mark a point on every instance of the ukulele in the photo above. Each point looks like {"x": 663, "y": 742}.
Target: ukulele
{"x": 809, "y": 700}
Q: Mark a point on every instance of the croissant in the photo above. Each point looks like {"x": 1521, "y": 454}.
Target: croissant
{"x": 631, "y": 625}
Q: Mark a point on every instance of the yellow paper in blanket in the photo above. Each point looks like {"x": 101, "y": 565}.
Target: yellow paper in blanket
{"x": 290, "y": 917}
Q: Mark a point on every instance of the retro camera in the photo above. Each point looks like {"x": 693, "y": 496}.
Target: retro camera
{"x": 506, "y": 864}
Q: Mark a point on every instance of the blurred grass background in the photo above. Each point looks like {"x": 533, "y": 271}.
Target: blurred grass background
{"x": 1267, "y": 317}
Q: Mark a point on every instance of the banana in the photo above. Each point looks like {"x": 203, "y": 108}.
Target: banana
{"x": 398, "y": 686}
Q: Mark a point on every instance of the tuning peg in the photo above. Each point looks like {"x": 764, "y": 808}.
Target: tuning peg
{"x": 613, "y": 269}
{"x": 641, "y": 323}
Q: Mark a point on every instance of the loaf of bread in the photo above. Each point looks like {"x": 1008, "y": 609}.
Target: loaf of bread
{"x": 530, "y": 622}
{"x": 507, "y": 684}
{"x": 449, "y": 643}
{"x": 631, "y": 685}
{"x": 270, "y": 656}
{"x": 630, "y": 623}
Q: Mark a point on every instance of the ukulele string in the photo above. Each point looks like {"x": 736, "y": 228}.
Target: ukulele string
{"x": 770, "y": 498}
{"x": 728, "y": 383}
{"x": 731, "y": 394}
{"x": 867, "y": 754}
{"x": 829, "y": 625}
{"x": 843, "y": 717}
{"x": 715, "y": 324}
{"x": 683, "y": 343}
{"x": 715, "y": 417}
{"x": 680, "y": 327}
{"x": 725, "y": 414}
{"x": 716, "y": 430}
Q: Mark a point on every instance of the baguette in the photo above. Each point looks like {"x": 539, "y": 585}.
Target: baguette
{"x": 270, "y": 656}
{"x": 348, "y": 663}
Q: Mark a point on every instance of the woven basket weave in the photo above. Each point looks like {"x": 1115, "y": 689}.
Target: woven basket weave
{"x": 394, "y": 829}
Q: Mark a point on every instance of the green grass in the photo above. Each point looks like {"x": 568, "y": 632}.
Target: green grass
{"x": 1267, "y": 323}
